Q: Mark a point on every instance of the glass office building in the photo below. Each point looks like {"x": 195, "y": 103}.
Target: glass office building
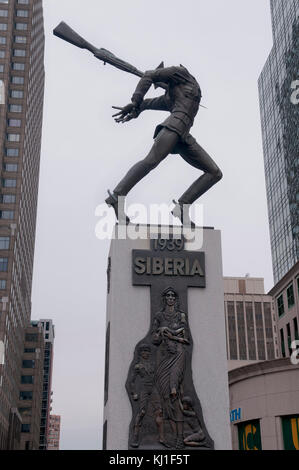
{"x": 279, "y": 101}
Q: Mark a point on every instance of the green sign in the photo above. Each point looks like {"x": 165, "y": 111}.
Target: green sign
{"x": 290, "y": 430}
{"x": 250, "y": 435}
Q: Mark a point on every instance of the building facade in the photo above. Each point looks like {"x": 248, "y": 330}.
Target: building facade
{"x": 54, "y": 432}
{"x": 21, "y": 108}
{"x": 285, "y": 296}
{"x": 31, "y": 387}
{"x": 279, "y": 107}
{"x": 264, "y": 400}
{"x": 251, "y": 333}
{"x": 49, "y": 335}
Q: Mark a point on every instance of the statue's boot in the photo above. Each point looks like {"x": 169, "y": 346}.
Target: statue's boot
{"x": 181, "y": 211}
{"x": 113, "y": 201}
{"x": 135, "y": 439}
{"x": 180, "y": 443}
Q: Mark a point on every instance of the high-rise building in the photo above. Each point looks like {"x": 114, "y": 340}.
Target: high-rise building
{"x": 279, "y": 106}
{"x": 31, "y": 387}
{"x": 250, "y": 321}
{"x": 49, "y": 334}
{"x": 21, "y": 108}
{"x": 54, "y": 432}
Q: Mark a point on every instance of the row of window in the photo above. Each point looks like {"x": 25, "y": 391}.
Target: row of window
{"x": 19, "y": 13}
{"x": 17, "y": 39}
{"x": 16, "y": 53}
{"x": 18, "y": 26}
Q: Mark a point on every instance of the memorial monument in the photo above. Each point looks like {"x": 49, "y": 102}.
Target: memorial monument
{"x": 166, "y": 374}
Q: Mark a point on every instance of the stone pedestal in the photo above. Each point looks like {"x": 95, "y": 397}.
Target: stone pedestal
{"x": 129, "y": 321}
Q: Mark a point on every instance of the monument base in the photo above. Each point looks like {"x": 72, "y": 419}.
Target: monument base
{"x": 183, "y": 402}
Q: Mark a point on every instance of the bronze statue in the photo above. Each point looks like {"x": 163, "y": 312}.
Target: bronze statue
{"x": 182, "y": 99}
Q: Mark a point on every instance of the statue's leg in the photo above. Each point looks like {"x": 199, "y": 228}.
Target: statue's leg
{"x": 163, "y": 145}
{"x": 196, "y": 156}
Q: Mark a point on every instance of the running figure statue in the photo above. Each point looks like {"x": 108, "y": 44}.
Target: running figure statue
{"x": 181, "y": 99}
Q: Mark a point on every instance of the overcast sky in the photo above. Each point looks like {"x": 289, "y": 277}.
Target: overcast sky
{"x": 224, "y": 44}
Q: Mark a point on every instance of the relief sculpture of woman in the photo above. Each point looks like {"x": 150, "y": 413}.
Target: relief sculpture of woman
{"x": 170, "y": 335}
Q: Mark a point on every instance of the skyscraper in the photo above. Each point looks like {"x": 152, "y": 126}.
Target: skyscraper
{"x": 279, "y": 105}
{"x": 21, "y": 108}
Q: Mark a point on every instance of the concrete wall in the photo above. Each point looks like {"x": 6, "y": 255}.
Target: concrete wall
{"x": 265, "y": 391}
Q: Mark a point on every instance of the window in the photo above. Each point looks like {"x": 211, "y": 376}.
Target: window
{"x": 2, "y": 54}
{"x": 13, "y": 137}
{"x": 290, "y": 296}
{"x": 25, "y": 428}
{"x": 29, "y": 350}
{"x": 4, "y": 243}
{"x": 283, "y": 351}
{"x": 250, "y": 435}
{"x": 296, "y": 328}
{"x": 27, "y": 379}
{"x": 21, "y": 39}
{"x": 21, "y": 26}
{"x": 2, "y": 40}
{"x": 26, "y": 411}
{"x": 22, "y": 13}
{"x": 9, "y": 183}
{"x": 8, "y": 215}
{"x": 23, "y": 2}
{"x": 14, "y": 122}
{"x": 16, "y": 94}
{"x": 3, "y": 264}
{"x": 1, "y": 68}
{"x": 17, "y": 80}
{"x": 28, "y": 364}
{"x": 8, "y": 199}
{"x": 10, "y": 167}
{"x": 31, "y": 337}
{"x": 18, "y": 66}
{"x": 3, "y": 26}
{"x": 4, "y": 13}
{"x": 19, "y": 53}
{"x": 2, "y": 284}
{"x": 280, "y": 305}
{"x": 290, "y": 431}
{"x": 26, "y": 395}
{"x": 11, "y": 152}
{"x": 15, "y": 108}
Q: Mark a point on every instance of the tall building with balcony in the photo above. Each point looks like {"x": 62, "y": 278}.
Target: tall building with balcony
{"x": 31, "y": 387}
{"x": 21, "y": 109}
{"x": 279, "y": 107}
{"x": 54, "y": 432}
{"x": 49, "y": 334}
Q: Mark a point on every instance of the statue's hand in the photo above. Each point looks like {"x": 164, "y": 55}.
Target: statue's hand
{"x": 126, "y": 113}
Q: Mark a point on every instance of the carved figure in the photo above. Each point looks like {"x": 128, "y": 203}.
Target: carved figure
{"x": 144, "y": 369}
{"x": 197, "y": 437}
{"x": 170, "y": 334}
